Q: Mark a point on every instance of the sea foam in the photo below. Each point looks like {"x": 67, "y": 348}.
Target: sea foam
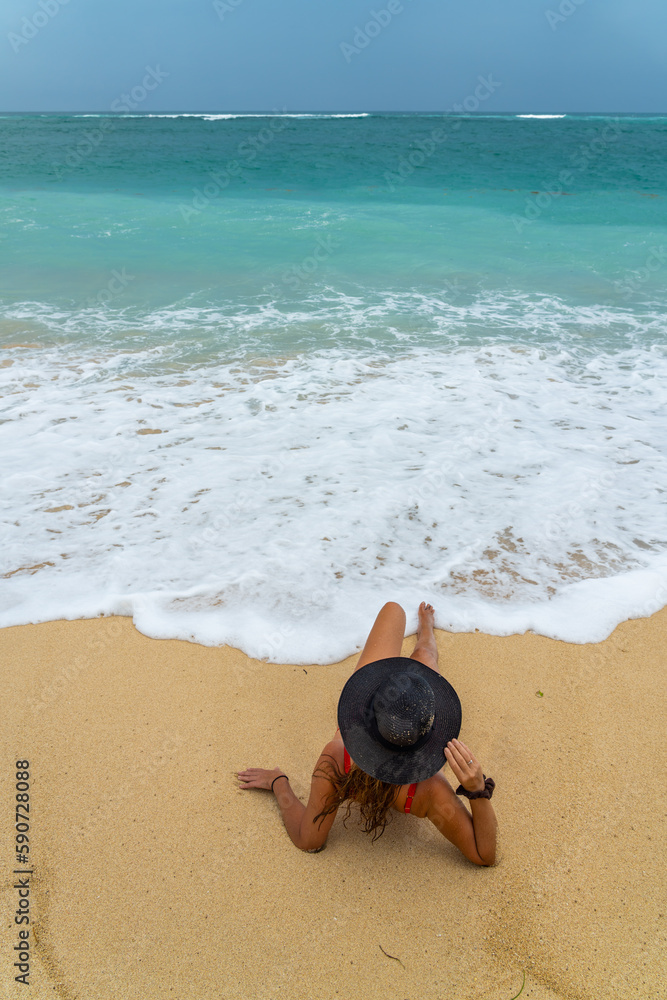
{"x": 276, "y": 505}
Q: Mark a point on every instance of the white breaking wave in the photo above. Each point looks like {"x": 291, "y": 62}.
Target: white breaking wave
{"x": 276, "y": 506}
{"x": 215, "y": 117}
{"x": 541, "y": 116}
{"x": 315, "y": 114}
{"x": 381, "y": 319}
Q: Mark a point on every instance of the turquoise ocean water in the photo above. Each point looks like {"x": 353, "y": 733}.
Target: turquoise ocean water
{"x": 262, "y": 373}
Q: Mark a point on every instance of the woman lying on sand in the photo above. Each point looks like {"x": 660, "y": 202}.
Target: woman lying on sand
{"x": 398, "y": 722}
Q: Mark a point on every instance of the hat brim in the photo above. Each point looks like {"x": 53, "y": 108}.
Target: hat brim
{"x": 399, "y": 765}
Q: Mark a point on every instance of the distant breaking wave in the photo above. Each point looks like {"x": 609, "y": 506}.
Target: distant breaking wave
{"x": 216, "y": 117}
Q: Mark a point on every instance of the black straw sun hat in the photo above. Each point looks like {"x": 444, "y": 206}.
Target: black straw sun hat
{"x": 395, "y": 717}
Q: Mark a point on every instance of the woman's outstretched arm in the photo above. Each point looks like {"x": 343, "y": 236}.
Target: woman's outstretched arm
{"x": 298, "y": 819}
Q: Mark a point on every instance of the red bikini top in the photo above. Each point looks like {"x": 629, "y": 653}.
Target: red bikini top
{"x": 411, "y": 790}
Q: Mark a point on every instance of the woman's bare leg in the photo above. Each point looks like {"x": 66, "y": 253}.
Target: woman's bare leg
{"x": 425, "y": 649}
{"x": 386, "y": 637}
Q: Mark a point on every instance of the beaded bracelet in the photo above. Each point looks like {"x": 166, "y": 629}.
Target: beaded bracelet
{"x": 485, "y": 793}
{"x": 275, "y": 779}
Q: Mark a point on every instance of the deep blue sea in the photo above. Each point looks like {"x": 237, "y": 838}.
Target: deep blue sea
{"x": 262, "y": 373}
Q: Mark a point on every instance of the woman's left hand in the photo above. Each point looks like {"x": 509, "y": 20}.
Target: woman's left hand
{"x": 258, "y": 777}
{"x": 465, "y": 766}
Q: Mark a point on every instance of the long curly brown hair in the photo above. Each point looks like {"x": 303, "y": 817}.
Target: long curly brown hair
{"x": 374, "y": 798}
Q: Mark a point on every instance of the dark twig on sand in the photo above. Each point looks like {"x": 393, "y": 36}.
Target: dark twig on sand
{"x": 392, "y": 956}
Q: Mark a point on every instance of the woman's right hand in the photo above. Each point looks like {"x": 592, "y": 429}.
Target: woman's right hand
{"x": 465, "y": 766}
{"x": 258, "y": 777}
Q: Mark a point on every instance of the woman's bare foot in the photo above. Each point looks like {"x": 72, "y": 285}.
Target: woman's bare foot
{"x": 426, "y": 619}
{"x": 425, "y": 649}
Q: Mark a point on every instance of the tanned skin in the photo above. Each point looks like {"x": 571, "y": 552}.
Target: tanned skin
{"x": 474, "y": 833}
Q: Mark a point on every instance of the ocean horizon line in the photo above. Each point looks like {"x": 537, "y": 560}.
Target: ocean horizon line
{"x": 235, "y": 113}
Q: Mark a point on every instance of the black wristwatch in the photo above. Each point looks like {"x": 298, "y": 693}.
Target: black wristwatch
{"x": 485, "y": 793}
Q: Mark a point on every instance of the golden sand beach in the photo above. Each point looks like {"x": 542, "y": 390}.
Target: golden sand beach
{"x": 154, "y": 876}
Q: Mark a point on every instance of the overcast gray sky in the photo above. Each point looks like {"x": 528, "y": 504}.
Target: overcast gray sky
{"x": 327, "y": 55}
